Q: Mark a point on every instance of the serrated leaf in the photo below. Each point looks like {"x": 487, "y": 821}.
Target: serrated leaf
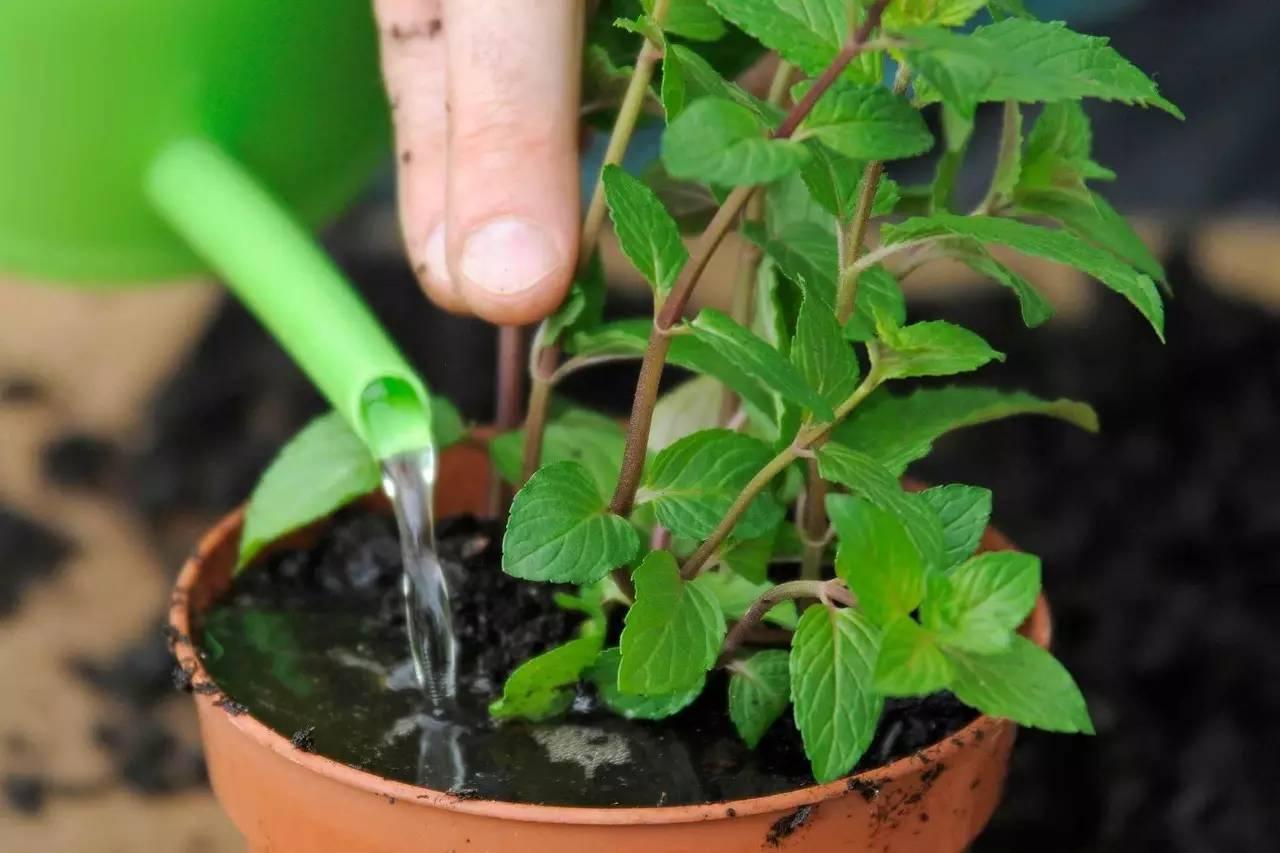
{"x": 805, "y": 252}
{"x": 965, "y": 512}
{"x": 835, "y": 181}
{"x": 541, "y": 687}
{"x": 1059, "y": 151}
{"x": 575, "y": 435}
{"x": 560, "y": 529}
{"x": 692, "y": 484}
{"x": 1032, "y": 61}
{"x": 1024, "y": 684}
{"x": 807, "y": 33}
{"x": 689, "y": 407}
{"x": 735, "y": 595}
{"x": 865, "y": 123}
{"x": 897, "y": 430}
{"x": 324, "y": 467}
{"x": 833, "y": 658}
{"x": 646, "y": 232}
{"x": 634, "y": 706}
{"x": 642, "y": 25}
{"x": 983, "y": 601}
{"x": 946, "y": 13}
{"x": 759, "y": 691}
{"x": 1095, "y": 221}
{"x": 822, "y": 355}
{"x": 760, "y": 360}
{"x": 1034, "y": 308}
{"x": 867, "y": 478}
{"x": 878, "y": 301}
{"x": 911, "y": 663}
{"x": 692, "y": 77}
{"x": 672, "y": 633}
{"x": 932, "y": 348}
{"x": 691, "y": 19}
{"x": 1057, "y": 246}
{"x": 718, "y": 141}
{"x": 877, "y": 558}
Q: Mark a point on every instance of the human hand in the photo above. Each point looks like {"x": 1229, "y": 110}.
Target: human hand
{"x": 484, "y": 95}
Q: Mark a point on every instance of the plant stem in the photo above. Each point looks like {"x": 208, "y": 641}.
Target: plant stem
{"x": 805, "y": 440}
{"x": 855, "y": 234}
{"x": 813, "y": 523}
{"x": 771, "y": 598}
{"x": 1006, "y": 158}
{"x": 673, "y": 308}
{"x": 624, "y": 126}
{"x": 510, "y": 392}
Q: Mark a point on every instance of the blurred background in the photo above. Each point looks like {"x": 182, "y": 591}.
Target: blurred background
{"x": 129, "y": 420}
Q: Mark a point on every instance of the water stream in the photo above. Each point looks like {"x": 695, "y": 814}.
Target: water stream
{"x": 409, "y": 481}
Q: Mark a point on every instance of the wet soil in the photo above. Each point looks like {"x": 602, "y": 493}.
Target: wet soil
{"x": 312, "y": 642}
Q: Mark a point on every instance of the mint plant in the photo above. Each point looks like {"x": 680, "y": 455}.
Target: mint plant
{"x": 783, "y": 456}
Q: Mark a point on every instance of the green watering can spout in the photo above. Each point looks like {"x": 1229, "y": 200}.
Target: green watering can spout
{"x": 139, "y": 141}
{"x": 273, "y": 265}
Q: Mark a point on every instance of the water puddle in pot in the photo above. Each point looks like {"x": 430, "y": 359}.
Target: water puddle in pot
{"x": 314, "y": 642}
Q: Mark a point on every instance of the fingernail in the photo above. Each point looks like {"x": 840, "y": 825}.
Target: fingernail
{"x": 508, "y": 255}
{"x": 434, "y": 257}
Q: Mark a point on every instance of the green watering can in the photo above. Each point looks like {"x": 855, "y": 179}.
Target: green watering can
{"x": 147, "y": 140}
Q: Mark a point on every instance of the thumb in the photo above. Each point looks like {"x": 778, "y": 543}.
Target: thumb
{"x": 511, "y": 223}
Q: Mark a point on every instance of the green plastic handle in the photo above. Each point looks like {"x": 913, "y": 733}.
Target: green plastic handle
{"x": 273, "y": 265}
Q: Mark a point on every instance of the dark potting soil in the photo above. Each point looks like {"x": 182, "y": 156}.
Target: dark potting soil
{"x": 310, "y": 641}
{"x": 30, "y": 552}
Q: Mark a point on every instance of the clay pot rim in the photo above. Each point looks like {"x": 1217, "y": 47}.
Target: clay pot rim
{"x": 1037, "y": 627}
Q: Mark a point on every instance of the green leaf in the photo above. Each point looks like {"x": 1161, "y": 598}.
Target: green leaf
{"x": 583, "y": 308}
{"x": 691, "y": 19}
{"x": 631, "y": 336}
{"x": 748, "y": 558}
{"x": 575, "y": 435}
{"x": 541, "y": 687}
{"x": 689, "y": 407}
{"x": 760, "y": 360}
{"x": 1095, "y": 221}
{"x": 692, "y": 484}
{"x": 759, "y": 691}
{"x": 876, "y": 558}
{"x": 866, "y": 477}
{"x": 865, "y": 123}
{"x": 647, "y": 233}
{"x": 589, "y": 600}
{"x": 1059, "y": 151}
{"x": 324, "y": 467}
{"x": 822, "y": 355}
{"x": 1029, "y": 61}
{"x": 878, "y": 301}
{"x": 910, "y": 663}
{"x": 686, "y": 77}
{"x": 735, "y": 595}
{"x": 718, "y": 141}
{"x": 560, "y": 529}
{"x": 805, "y": 252}
{"x": 897, "y": 430}
{"x": 964, "y": 512}
{"x": 1057, "y": 246}
{"x": 672, "y": 633}
{"x": 1024, "y": 684}
{"x": 642, "y": 25}
{"x": 807, "y": 33}
{"x": 983, "y": 601}
{"x": 933, "y": 348}
{"x": 1009, "y": 161}
{"x": 447, "y": 426}
{"x": 835, "y": 182}
{"x": 833, "y": 658}
{"x": 1035, "y": 309}
{"x": 634, "y": 706}
{"x": 947, "y": 13}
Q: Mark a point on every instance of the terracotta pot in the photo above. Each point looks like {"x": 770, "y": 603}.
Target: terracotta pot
{"x": 289, "y": 801}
